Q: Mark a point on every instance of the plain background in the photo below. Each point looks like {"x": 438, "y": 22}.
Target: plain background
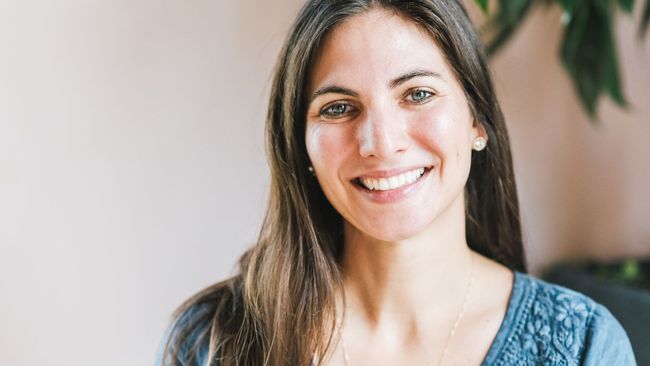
{"x": 132, "y": 168}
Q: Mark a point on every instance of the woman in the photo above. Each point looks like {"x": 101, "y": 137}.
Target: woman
{"x": 392, "y": 235}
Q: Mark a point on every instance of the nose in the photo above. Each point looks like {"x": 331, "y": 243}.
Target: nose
{"x": 382, "y": 133}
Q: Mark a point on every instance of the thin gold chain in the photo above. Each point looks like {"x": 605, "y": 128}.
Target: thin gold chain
{"x": 346, "y": 357}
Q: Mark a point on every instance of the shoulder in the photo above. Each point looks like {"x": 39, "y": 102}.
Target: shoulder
{"x": 607, "y": 340}
{"x": 552, "y": 325}
{"x": 185, "y": 342}
{"x": 189, "y": 336}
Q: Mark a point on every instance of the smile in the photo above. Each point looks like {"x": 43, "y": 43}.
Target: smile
{"x": 390, "y": 183}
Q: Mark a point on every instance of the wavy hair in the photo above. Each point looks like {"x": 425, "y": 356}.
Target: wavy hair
{"x": 280, "y": 308}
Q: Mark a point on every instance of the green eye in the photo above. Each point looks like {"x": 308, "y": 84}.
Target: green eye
{"x": 419, "y": 95}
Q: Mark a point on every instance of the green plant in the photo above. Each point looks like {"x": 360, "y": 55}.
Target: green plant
{"x": 588, "y": 50}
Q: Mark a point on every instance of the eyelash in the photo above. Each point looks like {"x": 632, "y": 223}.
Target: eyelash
{"x": 349, "y": 108}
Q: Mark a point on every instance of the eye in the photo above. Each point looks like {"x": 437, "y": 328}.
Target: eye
{"x": 337, "y": 110}
{"x": 418, "y": 96}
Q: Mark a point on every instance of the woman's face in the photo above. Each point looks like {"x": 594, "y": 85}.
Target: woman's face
{"x": 389, "y": 131}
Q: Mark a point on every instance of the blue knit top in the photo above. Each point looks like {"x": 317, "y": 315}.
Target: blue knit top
{"x": 544, "y": 324}
{"x": 547, "y": 324}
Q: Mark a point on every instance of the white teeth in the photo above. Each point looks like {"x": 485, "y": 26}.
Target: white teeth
{"x": 411, "y": 177}
{"x": 401, "y": 180}
{"x": 384, "y": 184}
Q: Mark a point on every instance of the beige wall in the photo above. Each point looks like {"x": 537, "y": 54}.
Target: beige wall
{"x": 132, "y": 171}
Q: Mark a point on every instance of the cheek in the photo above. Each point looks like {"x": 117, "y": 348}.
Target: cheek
{"x": 446, "y": 131}
{"x": 324, "y": 144}
{"x": 436, "y": 130}
{"x": 312, "y": 142}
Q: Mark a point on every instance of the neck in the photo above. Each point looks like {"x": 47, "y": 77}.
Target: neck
{"x": 402, "y": 287}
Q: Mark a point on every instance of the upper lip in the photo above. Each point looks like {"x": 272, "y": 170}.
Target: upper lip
{"x": 386, "y": 173}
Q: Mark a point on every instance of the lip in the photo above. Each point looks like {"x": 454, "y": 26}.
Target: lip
{"x": 393, "y": 195}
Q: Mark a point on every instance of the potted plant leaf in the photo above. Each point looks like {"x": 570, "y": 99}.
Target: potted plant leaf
{"x": 588, "y": 50}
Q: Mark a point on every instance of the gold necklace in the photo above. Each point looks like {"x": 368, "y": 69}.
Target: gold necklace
{"x": 346, "y": 357}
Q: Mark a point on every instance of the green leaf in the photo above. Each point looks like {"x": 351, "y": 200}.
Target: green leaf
{"x": 571, "y": 54}
{"x": 645, "y": 19}
{"x": 611, "y": 77}
{"x": 631, "y": 269}
{"x": 626, "y": 5}
{"x": 589, "y": 54}
{"x": 568, "y": 5}
{"x": 503, "y": 24}
{"x": 511, "y": 11}
{"x": 483, "y": 4}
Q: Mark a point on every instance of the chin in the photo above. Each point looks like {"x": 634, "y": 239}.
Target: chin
{"x": 393, "y": 230}
{"x": 392, "y": 236}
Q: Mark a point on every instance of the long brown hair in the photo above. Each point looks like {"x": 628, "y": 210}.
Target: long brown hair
{"x": 280, "y": 309}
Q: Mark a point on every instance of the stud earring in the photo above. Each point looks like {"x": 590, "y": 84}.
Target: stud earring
{"x": 479, "y": 143}
{"x": 311, "y": 170}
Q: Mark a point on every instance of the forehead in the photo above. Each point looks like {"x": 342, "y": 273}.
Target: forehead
{"x": 376, "y": 45}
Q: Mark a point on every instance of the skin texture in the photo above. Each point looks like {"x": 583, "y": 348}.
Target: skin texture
{"x": 406, "y": 263}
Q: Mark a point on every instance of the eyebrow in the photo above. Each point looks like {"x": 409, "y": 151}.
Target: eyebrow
{"x": 410, "y": 75}
{"x": 392, "y": 84}
{"x": 333, "y": 89}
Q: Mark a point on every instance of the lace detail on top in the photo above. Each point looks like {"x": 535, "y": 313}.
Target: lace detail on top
{"x": 547, "y": 324}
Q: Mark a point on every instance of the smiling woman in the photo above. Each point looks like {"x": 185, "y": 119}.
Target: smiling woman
{"x": 392, "y": 234}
